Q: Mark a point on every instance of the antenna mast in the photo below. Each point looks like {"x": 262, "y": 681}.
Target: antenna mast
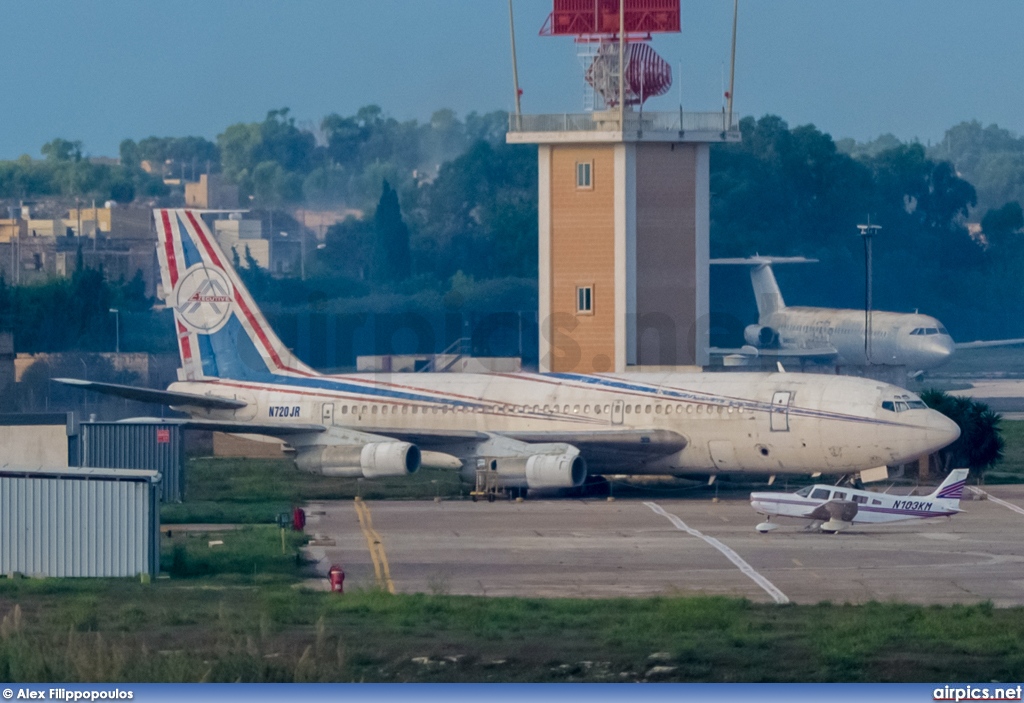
{"x": 515, "y": 66}
{"x": 732, "y": 63}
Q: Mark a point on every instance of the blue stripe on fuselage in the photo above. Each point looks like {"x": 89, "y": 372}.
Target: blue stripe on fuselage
{"x": 697, "y": 397}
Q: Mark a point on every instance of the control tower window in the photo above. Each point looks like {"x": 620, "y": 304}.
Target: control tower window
{"x": 584, "y": 174}
{"x": 585, "y": 300}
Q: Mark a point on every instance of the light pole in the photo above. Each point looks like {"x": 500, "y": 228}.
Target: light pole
{"x": 117, "y": 329}
{"x": 867, "y": 232}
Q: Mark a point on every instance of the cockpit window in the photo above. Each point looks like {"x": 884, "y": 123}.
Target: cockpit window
{"x": 820, "y": 494}
{"x": 903, "y": 402}
{"x": 916, "y": 331}
{"x": 806, "y": 491}
{"x": 942, "y": 330}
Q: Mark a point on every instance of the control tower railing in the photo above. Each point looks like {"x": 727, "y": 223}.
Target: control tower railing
{"x": 609, "y": 121}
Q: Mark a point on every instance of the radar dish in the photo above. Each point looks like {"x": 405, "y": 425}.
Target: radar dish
{"x": 647, "y": 74}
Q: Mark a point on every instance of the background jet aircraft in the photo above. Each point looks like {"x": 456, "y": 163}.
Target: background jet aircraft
{"x": 918, "y": 342}
{"x": 533, "y": 431}
{"x": 834, "y": 508}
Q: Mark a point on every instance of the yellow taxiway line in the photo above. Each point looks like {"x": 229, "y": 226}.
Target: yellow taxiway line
{"x": 375, "y": 544}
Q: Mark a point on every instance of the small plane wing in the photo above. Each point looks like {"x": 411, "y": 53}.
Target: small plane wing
{"x": 151, "y": 395}
{"x": 984, "y": 344}
{"x": 841, "y": 510}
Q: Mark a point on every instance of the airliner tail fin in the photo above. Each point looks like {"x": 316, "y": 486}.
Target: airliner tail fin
{"x": 766, "y": 289}
{"x": 221, "y": 332}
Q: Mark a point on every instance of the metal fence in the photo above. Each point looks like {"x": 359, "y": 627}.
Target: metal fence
{"x": 634, "y": 122}
{"x": 69, "y": 522}
{"x": 137, "y": 445}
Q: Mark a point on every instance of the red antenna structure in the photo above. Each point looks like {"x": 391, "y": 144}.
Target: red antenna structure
{"x": 598, "y": 22}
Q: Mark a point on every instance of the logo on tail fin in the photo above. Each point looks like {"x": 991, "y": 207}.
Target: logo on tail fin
{"x": 203, "y": 299}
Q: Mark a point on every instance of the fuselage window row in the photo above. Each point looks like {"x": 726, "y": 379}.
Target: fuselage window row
{"x": 606, "y": 409}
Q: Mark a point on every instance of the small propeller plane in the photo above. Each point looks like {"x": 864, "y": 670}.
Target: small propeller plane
{"x": 835, "y": 508}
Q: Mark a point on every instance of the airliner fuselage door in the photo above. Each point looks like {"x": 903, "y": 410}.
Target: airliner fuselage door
{"x": 617, "y": 412}
{"x": 327, "y": 414}
{"x": 780, "y": 411}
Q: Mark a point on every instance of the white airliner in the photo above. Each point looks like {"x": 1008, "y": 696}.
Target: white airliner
{"x": 835, "y": 508}
{"x": 534, "y": 431}
{"x": 917, "y": 342}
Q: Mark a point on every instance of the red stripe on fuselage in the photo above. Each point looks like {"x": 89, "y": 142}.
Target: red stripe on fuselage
{"x": 172, "y": 261}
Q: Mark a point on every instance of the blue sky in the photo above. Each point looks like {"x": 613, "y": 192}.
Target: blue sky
{"x": 102, "y": 71}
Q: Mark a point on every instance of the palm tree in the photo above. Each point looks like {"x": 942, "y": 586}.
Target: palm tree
{"x": 980, "y": 445}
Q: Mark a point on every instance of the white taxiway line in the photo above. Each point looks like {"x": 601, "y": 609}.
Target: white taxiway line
{"x": 732, "y": 556}
{"x": 1011, "y": 506}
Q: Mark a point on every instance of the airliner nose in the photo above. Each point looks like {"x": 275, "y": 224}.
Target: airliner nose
{"x": 940, "y": 431}
{"x": 936, "y": 352}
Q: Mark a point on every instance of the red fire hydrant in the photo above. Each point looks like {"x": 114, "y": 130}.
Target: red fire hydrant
{"x": 337, "y": 577}
{"x": 298, "y": 519}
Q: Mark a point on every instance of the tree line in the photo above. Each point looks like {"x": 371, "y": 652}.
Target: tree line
{"x": 447, "y": 205}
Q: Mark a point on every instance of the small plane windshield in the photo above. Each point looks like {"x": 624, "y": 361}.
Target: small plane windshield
{"x": 804, "y": 492}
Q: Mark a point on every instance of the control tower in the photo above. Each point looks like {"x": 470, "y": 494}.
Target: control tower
{"x": 623, "y": 201}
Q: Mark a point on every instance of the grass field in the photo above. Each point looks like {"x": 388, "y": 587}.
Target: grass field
{"x": 249, "y": 491}
{"x": 244, "y": 627}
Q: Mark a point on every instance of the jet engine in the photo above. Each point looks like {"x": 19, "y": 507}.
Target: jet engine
{"x": 761, "y": 337}
{"x": 564, "y": 469}
{"x": 373, "y": 460}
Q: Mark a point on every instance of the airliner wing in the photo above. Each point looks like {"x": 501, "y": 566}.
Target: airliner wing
{"x": 652, "y": 443}
{"x": 599, "y": 448}
{"x": 150, "y": 395}
{"x": 984, "y": 344}
{"x": 425, "y": 437}
{"x": 762, "y": 260}
{"x": 646, "y": 443}
{"x": 826, "y": 352}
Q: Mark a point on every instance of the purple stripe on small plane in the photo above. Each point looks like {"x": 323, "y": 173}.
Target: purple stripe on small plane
{"x": 861, "y": 507}
{"x": 954, "y": 490}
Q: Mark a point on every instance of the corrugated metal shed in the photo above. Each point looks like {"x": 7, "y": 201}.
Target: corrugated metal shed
{"x": 137, "y": 445}
{"x": 79, "y": 522}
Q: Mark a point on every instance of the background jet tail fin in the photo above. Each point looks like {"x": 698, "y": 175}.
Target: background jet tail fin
{"x": 766, "y": 289}
{"x": 953, "y": 487}
{"x": 221, "y": 332}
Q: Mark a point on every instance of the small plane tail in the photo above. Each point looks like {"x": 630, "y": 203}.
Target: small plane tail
{"x": 221, "y": 332}
{"x": 953, "y": 487}
{"x": 766, "y": 289}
